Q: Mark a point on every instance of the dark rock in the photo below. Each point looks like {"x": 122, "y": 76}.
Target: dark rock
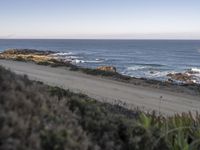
{"x": 27, "y": 51}
{"x": 184, "y": 77}
{"x": 151, "y": 72}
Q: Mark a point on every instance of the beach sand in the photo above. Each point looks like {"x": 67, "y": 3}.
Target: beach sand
{"x": 145, "y": 97}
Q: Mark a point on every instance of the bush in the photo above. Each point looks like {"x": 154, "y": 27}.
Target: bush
{"x": 45, "y": 63}
{"x": 97, "y": 72}
{"x": 32, "y": 119}
{"x": 51, "y": 140}
{"x": 19, "y": 58}
{"x": 36, "y": 116}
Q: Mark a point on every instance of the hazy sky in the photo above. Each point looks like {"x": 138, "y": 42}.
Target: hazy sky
{"x": 100, "y": 19}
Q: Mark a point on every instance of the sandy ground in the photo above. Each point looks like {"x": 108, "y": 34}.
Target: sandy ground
{"x": 146, "y": 98}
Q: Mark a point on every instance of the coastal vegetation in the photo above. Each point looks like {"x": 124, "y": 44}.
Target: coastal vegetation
{"x": 36, "y": 116}
{"x": 28, "y": 55}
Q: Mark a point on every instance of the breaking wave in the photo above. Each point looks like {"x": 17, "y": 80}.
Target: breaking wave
{"x": 74, "y": 58}
{"x": 62, "y": 54}
{"x": 134, "y": 68}
{"x": 197, "y": 70}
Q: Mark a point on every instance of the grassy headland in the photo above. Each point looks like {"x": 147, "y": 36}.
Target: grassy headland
{"x": 37, "y": 116}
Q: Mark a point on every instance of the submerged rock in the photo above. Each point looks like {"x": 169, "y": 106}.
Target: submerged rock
{"x": 107, "y": 68}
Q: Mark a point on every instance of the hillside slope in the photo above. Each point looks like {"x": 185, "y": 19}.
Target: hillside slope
{"x": 34, "y": 116}
{"x": 143, "y": 96}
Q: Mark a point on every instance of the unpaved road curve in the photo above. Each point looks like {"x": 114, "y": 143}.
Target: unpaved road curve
{"x": 108, "y": 90}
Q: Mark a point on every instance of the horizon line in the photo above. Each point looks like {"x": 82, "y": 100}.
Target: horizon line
{"x": 99, "y": 39}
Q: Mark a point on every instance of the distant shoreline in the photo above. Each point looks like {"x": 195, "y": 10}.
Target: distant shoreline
{"x": 47, "y": 58}
{"x": 99, "y": 39}
{"x": 149, "y": 59}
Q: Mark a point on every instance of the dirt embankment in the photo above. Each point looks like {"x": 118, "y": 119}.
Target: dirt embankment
{"x": 104, "y": 89}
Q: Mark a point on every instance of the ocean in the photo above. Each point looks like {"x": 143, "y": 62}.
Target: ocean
{"x": 152, "y": 59}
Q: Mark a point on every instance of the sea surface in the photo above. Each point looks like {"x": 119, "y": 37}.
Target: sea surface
{"x": 152, "y": 59}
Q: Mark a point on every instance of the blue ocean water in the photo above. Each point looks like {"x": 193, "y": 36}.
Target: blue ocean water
{"x": 138, "y": 58}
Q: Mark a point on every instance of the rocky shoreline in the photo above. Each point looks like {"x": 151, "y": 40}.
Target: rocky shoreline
{"x": 39, "y": 57}
{"x": 187, "y": 77}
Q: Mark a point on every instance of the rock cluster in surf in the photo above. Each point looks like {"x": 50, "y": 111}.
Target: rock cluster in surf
{"x": 188, "y": 77}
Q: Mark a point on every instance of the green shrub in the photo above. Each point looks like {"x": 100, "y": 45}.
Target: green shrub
{"x": 36, "y": 116}
{"x": 32, "y": 119}
{"x": 45, "y": 63}
{"x": 97, "y": 72}
{"x": 19, "y": 58}
{"x": 54, "y": 140}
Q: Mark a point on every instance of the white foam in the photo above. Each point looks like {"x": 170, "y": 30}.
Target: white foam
{"x": 62, "y": 54}
{"x": 196, "y": 79}
{"x": 72, "y": 57}
{"x": 93, "y": 61}
{"x": 160, "y": 73}
{"x": 77, "y": 61}
{"x": 133, "y": 68}
{"x": 196, "y": 70}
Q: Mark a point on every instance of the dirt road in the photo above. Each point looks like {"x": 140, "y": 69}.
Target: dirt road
{"x": 102, "y": 89}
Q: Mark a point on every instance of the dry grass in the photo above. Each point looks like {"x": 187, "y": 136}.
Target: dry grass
{"x": 28, "y": 57}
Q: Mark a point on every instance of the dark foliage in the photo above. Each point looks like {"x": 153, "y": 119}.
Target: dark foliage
{"x": 32, "y": 119}
{"x": 35, "y": 116}
{"x": 19, "y": 58}
{"x": 44, "y": 63}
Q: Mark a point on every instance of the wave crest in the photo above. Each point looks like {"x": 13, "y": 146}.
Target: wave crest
{"x": 195, "y": 70}
{"x": 63, "y": 54}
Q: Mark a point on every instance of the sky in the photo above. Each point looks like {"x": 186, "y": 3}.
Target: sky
{"x": 100, "y": 19}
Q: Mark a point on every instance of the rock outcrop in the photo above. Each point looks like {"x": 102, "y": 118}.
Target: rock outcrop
{"x": 107, "y": 68}
{"x": 26, "y": 52}
{"x": 37, "y": 56}
{"x": 182, "y": 77}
